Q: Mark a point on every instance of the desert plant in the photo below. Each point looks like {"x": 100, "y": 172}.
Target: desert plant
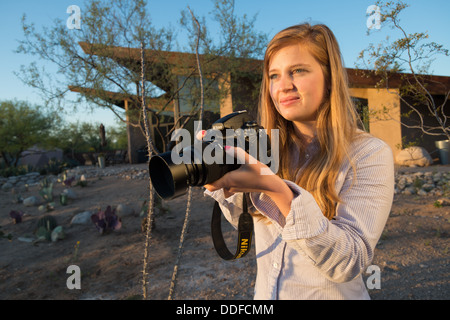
{"x": 106, "y": 221}
{"x": 45, "y": 226}
{"x": 67, "y": 181}
{"x": 7, "y": 236}
{"x": 46, "y": 190}
{"x": 75, "y": 251}
{"x": 53, "y": 166}
{"x": 16, "y": 216}
{"x": 82, "y": 183}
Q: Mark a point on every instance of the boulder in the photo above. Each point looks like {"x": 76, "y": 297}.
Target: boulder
{"x": 7, "y": 186}
{"x": 414, "y": 157}
{"x": 124, "y": 210}
{"x": 70, "y": 194}
{"x": 82, "y": 218}
{"x": 58, "y": 233}
{"x": 31, "y": 201}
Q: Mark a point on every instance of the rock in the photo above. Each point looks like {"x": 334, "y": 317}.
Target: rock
{"x": 31, "y": 201}
{"x": 26, "y": 239}
{"x": 414, "y": 156}
{"x": 422, "y": 192}
{"x": 7, "y": 186}
{"x": 428, "y": 187}
{"x": 70, "y": 194}
{"x": 443, "y": 202}
{"x": 82, "y": 218}
{"x": 13, "y": 180}
{"x": 30, "y": 182}
{"x": 124, "y": 210}
{"x": 409, "y": 190}
{"x": 57, "y": 234}
{"x": 422, "y": 183}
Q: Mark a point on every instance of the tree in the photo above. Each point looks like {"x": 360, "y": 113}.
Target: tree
{"x": 117, "y": 137}
{"x": 100, "y": 73}
{"x": 22, "y": 126}
{"x": 105, "y": 24}
{"x": 411, "y": 53}
{"x": 229, "y": 56}
{"x": 78, "y": 136}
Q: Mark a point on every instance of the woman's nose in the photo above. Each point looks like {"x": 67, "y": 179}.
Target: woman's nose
{"x": 286, "y": 83}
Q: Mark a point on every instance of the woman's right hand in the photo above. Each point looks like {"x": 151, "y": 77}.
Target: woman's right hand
{"x": 253, "y": 176}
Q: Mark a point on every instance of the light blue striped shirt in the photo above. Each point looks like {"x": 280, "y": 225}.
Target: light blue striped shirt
{"x": 307, "y": 256}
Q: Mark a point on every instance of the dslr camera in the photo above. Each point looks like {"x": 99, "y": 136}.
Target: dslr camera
{"x": 205, "y": 161}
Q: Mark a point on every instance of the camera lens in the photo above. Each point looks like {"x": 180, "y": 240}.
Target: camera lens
{"x": 169, "y": 180}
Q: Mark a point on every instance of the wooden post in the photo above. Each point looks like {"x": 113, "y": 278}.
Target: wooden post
{"x": 176, "y": 112}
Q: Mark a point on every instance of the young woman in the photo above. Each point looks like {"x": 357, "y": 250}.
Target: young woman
{"x": 318, "y": 219}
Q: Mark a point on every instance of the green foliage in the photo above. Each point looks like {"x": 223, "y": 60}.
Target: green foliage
{"x": 228, "y": 54}
{"x": 121, "y": 23}
{"x": 6, "y": 236}
{"x": 21, "y": 127}
{"x": 437, "y": 204}
{"x": 408, "y": 144}
{"x": 6, "y": 171}
{"x": 78, "y": 136}
{"x": 54, "y": 167}
{"x": 46, "y": 190}
{"x": 45, "y": 226}
{"x": 94, "y": 72}
{"x": 418, "y": 183}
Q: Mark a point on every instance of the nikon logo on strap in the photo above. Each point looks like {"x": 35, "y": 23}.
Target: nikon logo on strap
{"x": 243, "y": 249}
{"x": 245, "y": 230}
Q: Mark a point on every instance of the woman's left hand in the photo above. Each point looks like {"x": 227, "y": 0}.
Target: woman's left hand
{"x": 253, "y": 176}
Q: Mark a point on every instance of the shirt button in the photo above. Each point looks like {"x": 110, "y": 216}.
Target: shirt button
{"x": 275, "y": 265}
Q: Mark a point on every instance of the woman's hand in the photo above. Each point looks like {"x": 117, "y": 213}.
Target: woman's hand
{"x": 253, "y": 176}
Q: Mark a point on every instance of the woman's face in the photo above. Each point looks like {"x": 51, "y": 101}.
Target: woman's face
{"x": 296, "y": 84}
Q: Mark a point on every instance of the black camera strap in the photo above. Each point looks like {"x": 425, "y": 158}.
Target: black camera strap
{"x": 245, "y": 232}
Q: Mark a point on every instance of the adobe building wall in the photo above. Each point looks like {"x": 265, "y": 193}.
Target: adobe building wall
{"x": 389, "y": 128}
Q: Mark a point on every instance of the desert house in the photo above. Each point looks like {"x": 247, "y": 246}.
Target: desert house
{"x": 175, "y": 74}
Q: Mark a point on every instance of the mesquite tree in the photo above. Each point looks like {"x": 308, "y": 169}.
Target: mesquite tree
{"x": 407, "y": 61}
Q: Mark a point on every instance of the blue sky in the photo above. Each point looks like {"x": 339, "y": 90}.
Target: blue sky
{"x": 347, "y": 19}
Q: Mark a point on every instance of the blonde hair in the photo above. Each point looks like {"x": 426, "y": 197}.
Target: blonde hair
{"x": 337, "y": 120}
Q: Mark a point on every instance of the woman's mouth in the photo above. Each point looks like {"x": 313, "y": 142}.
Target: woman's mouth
{"x": 289, "y": 100}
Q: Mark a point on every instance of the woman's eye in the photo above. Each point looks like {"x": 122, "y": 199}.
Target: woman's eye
{"x": 273, "y": 76}
{"x": 299, "y": 70}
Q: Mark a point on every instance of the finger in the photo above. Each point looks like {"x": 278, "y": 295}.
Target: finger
{"x": 212, "y": 188}
{"x": 200, "y": 135}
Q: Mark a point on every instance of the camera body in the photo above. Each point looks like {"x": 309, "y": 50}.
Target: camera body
{"x": 205, "y": 161}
